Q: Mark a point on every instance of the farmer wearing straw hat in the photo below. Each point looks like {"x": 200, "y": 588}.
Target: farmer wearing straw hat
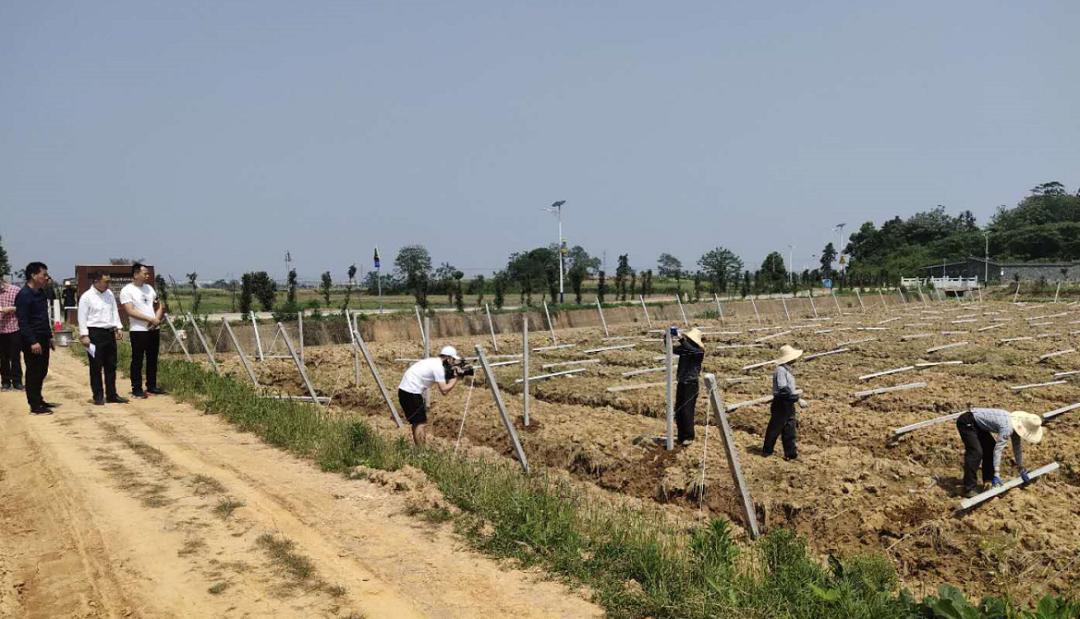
{"x": 691, "y": 353}
{"x": 977, "y": 428}
{"x": 782, "y": 422}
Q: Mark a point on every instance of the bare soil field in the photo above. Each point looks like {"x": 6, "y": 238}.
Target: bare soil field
{"x": 852, "y": 490}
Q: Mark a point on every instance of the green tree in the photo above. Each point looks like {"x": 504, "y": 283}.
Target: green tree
{"x": 773, "y": 273}
{"x": 196, "y": 296}
{"x": 669, "y": 266}
{"x": 828, "y": 256}
{"x": 290, "y": 288}
{"x": 576, "y": 256}
{"x": 413, "y": 265}
{"x": 350, "y": 283}
{"x": 722, "y": 267}
{"x": 601, "y": 287}
{"x": 476, "y": 287}
{"x": 745, "y": 289}
{"x": 576, "y": 275}
{"x": 622, "y": 275}
{"x": 326, "y": 285}
{"x": 459, "y": 297}
{"x": 265, "y": 289}
{"x": 444, "y": 280}
{"x": 534, "y": 271}
{"x": 498, "y": 283}
{"x": 247, "y": 287}
{"x": 5, "y": 266}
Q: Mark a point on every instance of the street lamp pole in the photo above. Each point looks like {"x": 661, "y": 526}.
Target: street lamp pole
{"x": 557, "y": 207}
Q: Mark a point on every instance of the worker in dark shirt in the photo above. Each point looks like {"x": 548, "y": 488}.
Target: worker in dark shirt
{"x": 691, "y": 353}
{"x": 35, "y": 334}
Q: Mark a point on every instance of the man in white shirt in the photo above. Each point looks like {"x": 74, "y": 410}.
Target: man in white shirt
{"x": 99, "y": 330}
{"x": 144, "y": 320}
{"x": 422, "y": 375}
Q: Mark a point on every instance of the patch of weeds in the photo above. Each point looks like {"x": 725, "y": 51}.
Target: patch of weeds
{"x": 218, "y": 588}
{"x": 191, "y": 546}
{"x": 298, "y": 567}
{"x": 434, "y": 515}
{"x": 226, "y": 506}
{"x": 206, "y": 485}
{"x": 151, "y": 455}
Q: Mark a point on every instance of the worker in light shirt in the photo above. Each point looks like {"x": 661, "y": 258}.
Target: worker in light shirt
{"x": 985, "y": 432}
{"x": 99, "y": 330}
{"x": 145, "y": 316}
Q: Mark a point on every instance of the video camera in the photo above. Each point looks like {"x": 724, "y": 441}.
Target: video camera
{"x": 461, "y": 369}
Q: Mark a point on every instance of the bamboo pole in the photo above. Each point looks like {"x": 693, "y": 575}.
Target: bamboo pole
{"x": 644, "y": 371}
{"x": 812, "y": 306}
{"x": 859, "y": 296}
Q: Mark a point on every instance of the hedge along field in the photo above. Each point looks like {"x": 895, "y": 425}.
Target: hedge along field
{"x": 636, "y": 565}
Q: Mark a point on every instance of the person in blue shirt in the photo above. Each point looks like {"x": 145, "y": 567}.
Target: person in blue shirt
{"x": 978, "y": 427}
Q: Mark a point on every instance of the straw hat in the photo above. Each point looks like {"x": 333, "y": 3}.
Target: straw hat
{"x": 788, "y": 354}
{"x": 1027, "y": 425}
{"x": 694, "y": 335}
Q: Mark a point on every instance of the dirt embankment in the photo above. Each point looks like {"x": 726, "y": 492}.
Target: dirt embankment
{"x": 153, "y": 509}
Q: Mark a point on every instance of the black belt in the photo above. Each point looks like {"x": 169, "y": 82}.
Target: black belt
{"x": 101, "y": 328}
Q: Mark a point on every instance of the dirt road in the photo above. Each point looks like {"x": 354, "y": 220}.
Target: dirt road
{"x": 153, "y": 509}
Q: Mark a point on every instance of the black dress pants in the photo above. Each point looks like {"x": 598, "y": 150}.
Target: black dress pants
{"x": 685, "y": 402}
{"x": 37, "y": 367}
{"x": 144, "y": 344}
{"x": 978, "y": 451}
{"x": 782, "y": 424}
{"x": 10, "y": 366}
{"x": 103, "y": 361}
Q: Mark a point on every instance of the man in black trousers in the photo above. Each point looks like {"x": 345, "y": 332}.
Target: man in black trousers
{"x": 99, "y": 330}
{"x": 145, "y": 315}
{"x": 691, "y": 352}
{"x": 35, "y": 334}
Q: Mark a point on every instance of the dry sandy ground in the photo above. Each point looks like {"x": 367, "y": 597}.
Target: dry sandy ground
{"x": 113, "y": 512}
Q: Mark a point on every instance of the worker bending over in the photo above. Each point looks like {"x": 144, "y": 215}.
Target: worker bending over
{"x": 977, "y": 428}
{"x": 443, "y": 372}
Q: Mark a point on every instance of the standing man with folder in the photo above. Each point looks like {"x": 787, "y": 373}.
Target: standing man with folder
{"x": 99, "y": 330}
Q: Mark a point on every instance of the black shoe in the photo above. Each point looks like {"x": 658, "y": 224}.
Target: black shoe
{"x": 5, "y": 387}
{"x": 49, "y": 404}
{"x": 17, "y": 386}
{"x": 40, "y": 410}
{"x": 117, "y": 400}
{"x": 139, "y": 394}
{"x": 157, "y": 391}
{"x": 970, "y": 492}
{"x": 99, "y": 401}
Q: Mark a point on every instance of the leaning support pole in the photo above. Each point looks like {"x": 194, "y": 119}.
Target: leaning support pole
{"x": 967, "y": 504}
{"x": 719, "y": 308}
{"x": 756, "y": 314}
{"x": 731, "y": 450}
{"x": 681, "y": 310}
{"x": 299, "y": 363}
{"x": 859, "y": 297}
{"x": 882, "y": 296}
{"x": 1057, "y": 292}
{"x": 356, "y": 351}
{"x": 812, "y": 306}
{"x": 358, "y": 340}
{"x": 839, "y": 312}
{"x": 551, "y": 325}
{"x": 202, "y": 341}
{"x": 786, "y": 313}
{"x": 176, "y": 337}
{"x": 645, "y": 310}
{"x": 240, "y": 351}
{"x": 497, "y": 395}
{"x": 300, "y": 332}
{"x": 669, "y": 393}
{"x": 491, "y": 328}
{"x": 600, "y": 310}
{"x": 525, "y": 368}
{"x": 420, "y": 323}
{"x": 258, "y": 339}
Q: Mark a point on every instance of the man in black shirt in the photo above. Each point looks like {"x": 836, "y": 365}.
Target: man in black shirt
{"x": 35, "y": 334}
{"x": 691, "y": 353}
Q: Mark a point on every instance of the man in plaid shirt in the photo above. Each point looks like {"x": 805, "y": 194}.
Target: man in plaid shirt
{"x": 10, "y": 367}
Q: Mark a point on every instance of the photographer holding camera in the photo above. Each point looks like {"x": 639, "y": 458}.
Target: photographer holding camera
{"x": 443, "y": 372}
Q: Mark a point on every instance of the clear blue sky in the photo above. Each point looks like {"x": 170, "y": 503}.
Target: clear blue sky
{"x": 213, "y": 136}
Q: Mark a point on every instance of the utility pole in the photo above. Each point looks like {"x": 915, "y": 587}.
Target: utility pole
{"x": 986, "y": 260}
{"x": 556, "y": 207}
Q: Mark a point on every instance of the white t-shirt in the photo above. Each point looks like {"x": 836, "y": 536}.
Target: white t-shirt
{"x": 422, "y": 375}
{"x": 142, "y": 299}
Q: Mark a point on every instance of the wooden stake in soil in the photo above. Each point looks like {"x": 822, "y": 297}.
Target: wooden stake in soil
{"x": 967, "y": 504}
{"x": 358, "y": 340}
{"x": 177, "y": 338}
{"x": 645, "y": 310}
{"x": 551, "y": 325}
{"x": 812, "y": 306}
{"x": 859, "y": 296}
{"x": 719, "y": 308}
{"x": 865, "y": 394}
{"x": 299, "y": 363}
{"x": 258, "y": 339}
{"x": 491, "y": 328}
{"x": 1037, "y": 385}
{"x": 507, "y": 423}
{"x": 756, "y": 314}
{"x": 202, "y": 341}
{"x": 240, "y": 351}
{"x": 1060, "y": 411}
{"x": 603, "y": 322}
{"x": 669, "y": 393}
{"x": 731, "y": 450}
{"x": 681, "y": 310}
{"x": 926, "y": 424}
{"x": 525, "y": 368}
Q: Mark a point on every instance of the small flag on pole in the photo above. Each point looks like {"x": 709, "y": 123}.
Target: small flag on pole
{"x": 376, "y": 257}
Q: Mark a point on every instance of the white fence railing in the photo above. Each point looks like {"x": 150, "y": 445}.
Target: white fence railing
{"x": 947, "y": 284}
